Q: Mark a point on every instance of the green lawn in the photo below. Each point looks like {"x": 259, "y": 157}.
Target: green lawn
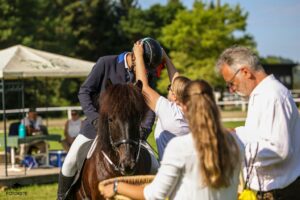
{"x": 233, "y": 124}
{"x": 33, "y": 192}
{"x": 48, "y": 191}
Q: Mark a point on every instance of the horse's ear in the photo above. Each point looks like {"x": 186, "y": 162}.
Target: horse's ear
{"x": 108, "y": 83}
{"x": 139, "y": 84}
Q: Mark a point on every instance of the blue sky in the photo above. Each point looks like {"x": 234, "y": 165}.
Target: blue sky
{"x": 274, "y": 24}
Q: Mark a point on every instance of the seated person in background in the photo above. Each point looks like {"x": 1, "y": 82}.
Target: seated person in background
{"x": 34, "y": 123}
{"x": 34, "y": 126}
{"x": 72, "y": 128}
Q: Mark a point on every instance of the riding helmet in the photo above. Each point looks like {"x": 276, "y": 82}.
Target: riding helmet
{"x": 152, "y": 53}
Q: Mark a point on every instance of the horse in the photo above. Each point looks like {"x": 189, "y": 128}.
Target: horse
{"x": 118, "y": 150}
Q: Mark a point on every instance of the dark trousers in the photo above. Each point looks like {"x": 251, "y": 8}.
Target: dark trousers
{"x": 291, "y": 192}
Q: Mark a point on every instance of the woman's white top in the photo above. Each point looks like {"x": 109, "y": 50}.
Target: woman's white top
{"x": 179, "y": 177}
{"x": 170, "y": 123}
{"x": 74, "y": 127}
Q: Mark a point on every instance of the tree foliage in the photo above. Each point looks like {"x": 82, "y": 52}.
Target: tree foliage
{"x": 89, "y": 29}
{"x": 196, "y": 38}
{"x": 141, "y": 23}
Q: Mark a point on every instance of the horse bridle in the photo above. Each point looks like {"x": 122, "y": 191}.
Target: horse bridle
{"x": 115, "y": 146}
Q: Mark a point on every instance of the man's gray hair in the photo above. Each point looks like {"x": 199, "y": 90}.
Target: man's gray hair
{"x": 236, "y": 57}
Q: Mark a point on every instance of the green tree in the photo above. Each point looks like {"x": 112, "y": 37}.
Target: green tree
{"x": 196, "y": 38}
{"x": 35, "y": 24}
{"x": 94, "y": 25}
{"x": 276, "y": 60}
{"x": 83, "y": 29}
{"x": 141, "y": 23}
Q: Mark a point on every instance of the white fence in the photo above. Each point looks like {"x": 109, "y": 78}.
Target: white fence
{"x": 68, "y": 109}
{"x": 238, "y": 103}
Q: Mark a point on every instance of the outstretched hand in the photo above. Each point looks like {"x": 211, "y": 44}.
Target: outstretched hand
{"x": 138, "y": 49}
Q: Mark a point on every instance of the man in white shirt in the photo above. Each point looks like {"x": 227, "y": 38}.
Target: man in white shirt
{"x": 271, "y": 135}
{"x": 34, "y": 126}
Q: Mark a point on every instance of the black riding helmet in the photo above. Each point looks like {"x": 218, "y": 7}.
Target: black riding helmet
{"x": 152, "y": 53}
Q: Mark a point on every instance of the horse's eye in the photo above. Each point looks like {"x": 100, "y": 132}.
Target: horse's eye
{"x": 110, "y": 120}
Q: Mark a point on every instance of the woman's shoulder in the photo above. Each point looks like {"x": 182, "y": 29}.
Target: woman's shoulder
{"x": 178, "y": 150}
{"x": 181, "y": 143}
{"x": 165, "y": 105}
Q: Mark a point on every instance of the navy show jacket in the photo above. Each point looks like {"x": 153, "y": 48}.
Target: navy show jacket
{"x": 107, "y": 67}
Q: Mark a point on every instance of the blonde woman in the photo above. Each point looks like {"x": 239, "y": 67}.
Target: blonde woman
{"x": 201, "y": 165}
{"x": 170, "y": 118}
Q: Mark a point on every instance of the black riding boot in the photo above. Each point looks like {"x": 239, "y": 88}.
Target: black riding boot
{"x": 64, "y": 184}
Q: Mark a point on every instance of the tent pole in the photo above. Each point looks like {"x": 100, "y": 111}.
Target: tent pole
{"x": 23, "y": 99}
{"x": 4, "y": 123}
{"x": 46, "y": 102}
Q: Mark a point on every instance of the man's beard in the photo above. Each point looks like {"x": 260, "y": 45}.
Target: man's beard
{"x": 241, "y": 94}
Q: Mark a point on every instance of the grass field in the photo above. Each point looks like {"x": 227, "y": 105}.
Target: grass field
{"x": 48, "y": 191}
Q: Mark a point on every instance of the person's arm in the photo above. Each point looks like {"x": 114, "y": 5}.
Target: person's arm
{"x": 89, "y": 89}
{"x": 141, "y": 74}
{"x": 172, "y": 71}
{"x": 272, "y": 137}
{"x": 66, "y": 130}
{"x": 128, "y": 190}
{"x": 38, "y": 123}
{"x": 163, "y": 183}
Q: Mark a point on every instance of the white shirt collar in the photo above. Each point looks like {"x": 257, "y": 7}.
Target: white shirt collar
{"x": 125, "y": 61}
{"x": 261, "y": 87}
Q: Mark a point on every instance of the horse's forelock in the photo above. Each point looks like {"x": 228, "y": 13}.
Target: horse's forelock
{"x": 123, "y": 101}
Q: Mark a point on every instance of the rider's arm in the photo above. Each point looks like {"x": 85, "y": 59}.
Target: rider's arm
{"x": 90, "y": 88}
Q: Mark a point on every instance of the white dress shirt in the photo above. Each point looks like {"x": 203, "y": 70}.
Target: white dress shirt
{"x": 179, "y": 177}
{"x": 170, "y": 123}
{"x": 272, "y": 128}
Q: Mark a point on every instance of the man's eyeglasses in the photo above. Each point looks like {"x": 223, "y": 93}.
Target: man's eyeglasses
{"x": 230, "y": 82}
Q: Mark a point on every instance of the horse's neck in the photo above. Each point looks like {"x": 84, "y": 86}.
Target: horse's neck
{"x": 100, "y": 152}
{"x": 103, "y": 159}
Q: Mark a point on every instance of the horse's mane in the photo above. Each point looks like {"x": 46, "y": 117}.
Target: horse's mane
{"x": 123, "y": 100}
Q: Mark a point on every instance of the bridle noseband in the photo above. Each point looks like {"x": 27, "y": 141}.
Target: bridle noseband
{"x": 115, "y": 146}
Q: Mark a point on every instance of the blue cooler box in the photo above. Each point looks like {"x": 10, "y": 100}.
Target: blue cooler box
{"x": 57, "y": 157}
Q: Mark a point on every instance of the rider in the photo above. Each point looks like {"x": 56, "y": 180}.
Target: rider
{"x": 117, "y": 69}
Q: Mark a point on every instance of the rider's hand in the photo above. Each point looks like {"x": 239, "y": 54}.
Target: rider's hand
{"x": 95, "y": 123}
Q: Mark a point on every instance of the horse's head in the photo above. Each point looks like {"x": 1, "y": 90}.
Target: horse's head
{"x": 122, "y": 109}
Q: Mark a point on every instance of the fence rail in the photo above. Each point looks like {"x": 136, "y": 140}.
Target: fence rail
{"x": 68, "y": 109}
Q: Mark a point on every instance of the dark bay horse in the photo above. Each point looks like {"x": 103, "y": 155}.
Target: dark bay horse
{"x": 118, "y": 148}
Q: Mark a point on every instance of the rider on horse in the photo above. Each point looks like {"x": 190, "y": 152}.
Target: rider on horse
{"x": 118, "y": 69}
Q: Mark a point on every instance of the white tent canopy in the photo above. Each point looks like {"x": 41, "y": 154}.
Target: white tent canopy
{"x": 24, "y": 62}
